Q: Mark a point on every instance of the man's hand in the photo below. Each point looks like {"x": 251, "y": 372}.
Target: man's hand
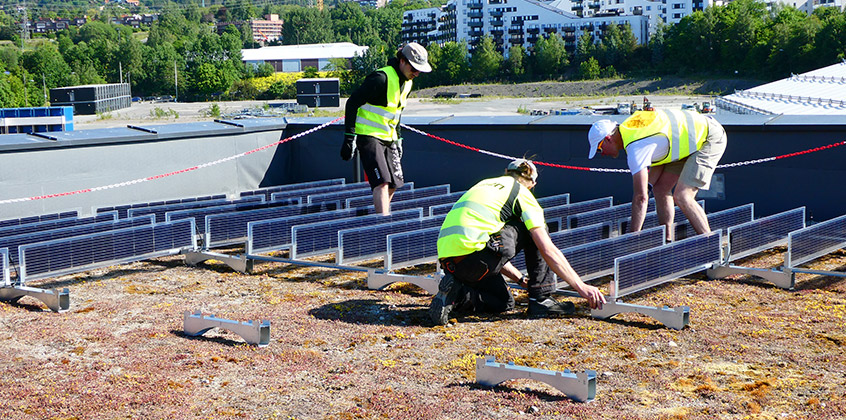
{"x": 348, "y": 147}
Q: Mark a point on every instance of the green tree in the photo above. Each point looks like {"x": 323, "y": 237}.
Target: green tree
{"x": 306, "y": 26}
{"x": 351, "y": 24}
{"x": 515, "y": 64}
{"x": 550, "y": 56}
{"x": 452, "y": 65}
{"x": 589, "y": 70}
{"x": 486, "y": 61}
{"x": 46, "y": 64}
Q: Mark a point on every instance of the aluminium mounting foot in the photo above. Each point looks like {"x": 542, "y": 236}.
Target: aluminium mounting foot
{"x": 55, "y": 299}
{"x": 580, "y": 387}
{"x": 253, "y": 332}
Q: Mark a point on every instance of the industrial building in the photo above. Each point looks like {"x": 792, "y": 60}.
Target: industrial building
{"x": 93, "y": 99}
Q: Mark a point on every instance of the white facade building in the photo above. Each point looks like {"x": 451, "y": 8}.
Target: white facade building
{"x": 295, "y": 58}
{"x": 509, "y": 23}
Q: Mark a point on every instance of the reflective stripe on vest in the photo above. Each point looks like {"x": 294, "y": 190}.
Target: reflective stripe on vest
{"x": 685, "y": 130}
{"x": 381, "y": 121}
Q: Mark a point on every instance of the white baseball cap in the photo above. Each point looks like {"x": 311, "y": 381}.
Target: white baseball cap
{"x": 417, "y": 56}
{"x": 515, "y": 166}
{"x": 598, "y": 131}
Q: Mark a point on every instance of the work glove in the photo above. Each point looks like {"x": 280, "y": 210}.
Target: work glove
{"x": 399, "y": 147}
{"x": 348, "y": 147}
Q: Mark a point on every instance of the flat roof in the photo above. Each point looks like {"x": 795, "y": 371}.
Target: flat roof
{"x": 303, "y": 52}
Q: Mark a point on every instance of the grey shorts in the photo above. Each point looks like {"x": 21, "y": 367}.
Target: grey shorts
{"x": 697, "y": 169}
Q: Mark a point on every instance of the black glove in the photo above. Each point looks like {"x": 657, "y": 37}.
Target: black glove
{"x": 348, "y": 147}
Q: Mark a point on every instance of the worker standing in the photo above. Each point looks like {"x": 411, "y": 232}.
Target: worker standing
{"x": 675, "y": 151}
{"x": 489, "y": 225}
{"x": 372, "y": 118}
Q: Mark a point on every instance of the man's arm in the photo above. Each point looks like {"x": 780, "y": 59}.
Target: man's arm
{"x": 640, "y": 198}
{"x": 374, "y": 90}
{"x": 559, "y": 265}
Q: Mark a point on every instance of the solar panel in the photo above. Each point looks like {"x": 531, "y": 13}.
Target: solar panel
{"x": 411, "y": 248}
{"x": 427, "y": 202}
{"x": 230, "y": 228}
{"x": 161, "y": 211}
{"x": 564, "y": 211}
{"x": 812, "y": 242}
{"x": 720, "y": 220}
{"x": 322, "y": 237}
{"x": 341, "y": 196}
{"x": 55, "y": 224}
{"x": 4, "y": 264}
{"x": 651, "y": 218}
{"x": 304, "y": 193}
{"x": 14, "y": 242}
{"x": 609, "y": 214}
{"x": 401, "y": 196}
{"x": 762, "y": 234}
{"x": 124, "y": 209}
{"x": 36, "y": 219}
{"x": 596, "y": 259}
{"x": 271, "y": 235}
{"x": 645, "y": 269}
{"x": 544, "y": 202}
{"x": 569, "y": 238}
{"x": 80, "y": 253}
{"x": 199, "y": 215}
{"x": 266, "y": 192}
{"x": 364, "y": 243}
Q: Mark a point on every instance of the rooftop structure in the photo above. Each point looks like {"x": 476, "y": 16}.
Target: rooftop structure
{"x": 818, "y": 92}
{"x": 294, "y": 58}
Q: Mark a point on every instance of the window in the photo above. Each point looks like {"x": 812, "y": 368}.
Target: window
{"x": 678, "y": 6}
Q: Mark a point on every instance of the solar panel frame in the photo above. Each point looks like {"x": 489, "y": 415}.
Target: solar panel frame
{"x": 4, "y": 260}
{"x": 658, "y": 263}
{"x": 266, "y": 192}
{"x": 427, "y": 202}
{"x": 200, "y": 214}
{"x": 276, "y": 234}
{"x": 173, "y": 237}
{"x": 613, "y": 214}
{"x": 161, "y": 211}
{"x": 13, "y": 243}
{"x": 303, "y": 194}
{"x": 426, "y": 252}
{"x": 809, "y": 243}
{"x": 434, "y": 190}
{"x": 39, "y": 218}
{"x": 568, "y": 238}
{"x": 651, "y": 218}
{"x": 56, "y": 224}
{"x": 371, "y": 242}
{"x": 231, "y": 228}
{"x": 596, "y": 259}
{"x": 544, "y": 202}
{"x": 123, "y": 210}
{"x": 577, "y": 207}
{"x": 720, "y": 220}
{"x": 761, "y": 234}
{"x": 322, "y": 237}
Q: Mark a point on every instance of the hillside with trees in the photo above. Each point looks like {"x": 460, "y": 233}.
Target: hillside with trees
{"x": 183, "y": 50}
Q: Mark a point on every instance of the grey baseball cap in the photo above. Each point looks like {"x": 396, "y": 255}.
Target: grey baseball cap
{"x": 417, "y": 56}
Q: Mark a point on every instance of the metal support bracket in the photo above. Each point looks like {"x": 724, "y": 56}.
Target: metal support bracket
{"x": 580, "y": 387}
{"x": 237, "y": 263}
{"x": 676, "y": 318}
{"x": 56, "y": 300}
{"x": 379, "y": 280}
{"x": 783, "y": 279}
{"x": 253, "y": 332}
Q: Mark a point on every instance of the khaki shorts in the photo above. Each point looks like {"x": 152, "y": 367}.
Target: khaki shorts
{"x": 697, "y": 169}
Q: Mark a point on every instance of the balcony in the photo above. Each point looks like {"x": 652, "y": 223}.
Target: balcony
{"x": 532, "y": 39}
{"x": 497, "y": 22}
{"x": 475, "y": 24}
{"x": 533, "y": 31}
{"x": 550, "y": 30}
{"x": 474, "y": 14}
{"x": 476, "y": 32}
{"x": 475, "y": 5}
{"x": 515, "y": 31}
{"x": 495, "y": 13}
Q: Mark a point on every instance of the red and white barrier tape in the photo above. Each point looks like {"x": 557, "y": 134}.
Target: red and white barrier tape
{"x": 584, "y": 168}
{"x": 165, "y": 175}
{"x": 423, "y": 133}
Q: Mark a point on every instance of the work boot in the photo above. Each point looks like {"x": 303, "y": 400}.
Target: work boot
{"x": 546, "y": 307}
{"x": 443, "y": 302}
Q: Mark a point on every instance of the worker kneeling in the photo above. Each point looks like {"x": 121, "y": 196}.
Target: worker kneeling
{"x": 490, "y": 224}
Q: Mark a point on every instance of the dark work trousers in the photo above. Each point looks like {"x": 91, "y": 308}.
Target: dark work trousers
{"x": 490, "y": 292}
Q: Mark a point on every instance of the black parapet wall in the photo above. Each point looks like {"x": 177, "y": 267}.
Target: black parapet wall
{"x": 812, "y": 180}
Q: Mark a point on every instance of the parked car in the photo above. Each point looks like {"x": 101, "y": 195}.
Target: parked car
{"x": 707, "y": 108}
{"x": 136, "y": 99}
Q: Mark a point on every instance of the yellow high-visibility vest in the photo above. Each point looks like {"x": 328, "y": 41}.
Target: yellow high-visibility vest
{"x": 483, "y": 210}
{"x": 685, "y": 130}
{"x": 381, "y": 121}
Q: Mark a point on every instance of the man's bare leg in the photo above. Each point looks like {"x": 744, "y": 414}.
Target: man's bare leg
{"x": 662, "y": 189}
{"x": 685, "y": 196}
{"x": 382, "y": 196}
